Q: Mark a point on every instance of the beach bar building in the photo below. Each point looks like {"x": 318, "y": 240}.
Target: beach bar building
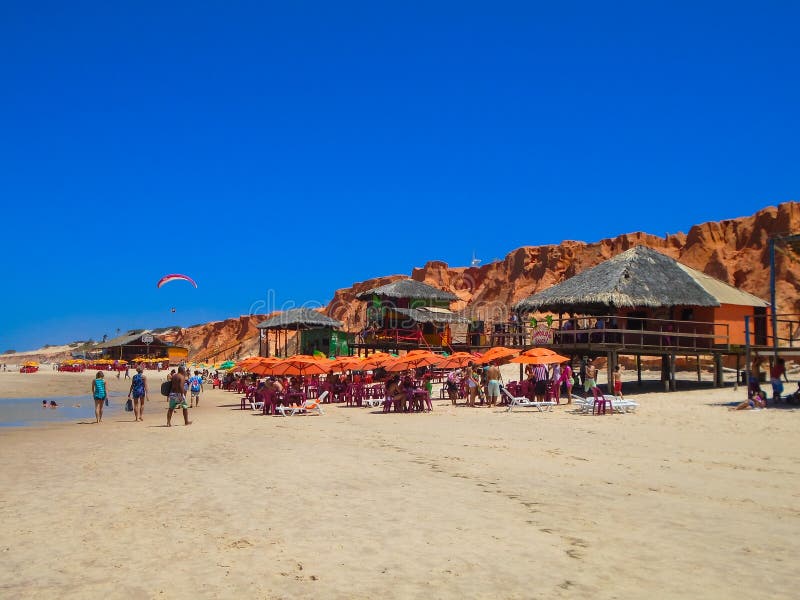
{"x": 644, "y": 303}
{"x": 408, "y": 314}
{"x": 138, "y": 344}
{"x": 310, "y": 330}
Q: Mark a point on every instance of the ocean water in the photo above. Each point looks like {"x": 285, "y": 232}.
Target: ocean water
{"x": 28, "y": 412}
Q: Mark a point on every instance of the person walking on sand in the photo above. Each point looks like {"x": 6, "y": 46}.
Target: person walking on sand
{"x": 177, "y": 397}
{"x": 139, "y": 392}
{"x": 195, "y": 387}
{"x": 100, "y": 395}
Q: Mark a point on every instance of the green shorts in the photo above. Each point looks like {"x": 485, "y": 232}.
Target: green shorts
{"x": 177, "y": 401}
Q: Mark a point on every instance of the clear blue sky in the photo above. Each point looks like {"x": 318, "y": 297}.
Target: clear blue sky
{"x": 277, "y": 151}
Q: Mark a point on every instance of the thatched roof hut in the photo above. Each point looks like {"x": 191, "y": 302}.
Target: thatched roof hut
{"x": 299, "y": 318}
{"x": 637, "y": 278}
{"x": 408, "y": 289}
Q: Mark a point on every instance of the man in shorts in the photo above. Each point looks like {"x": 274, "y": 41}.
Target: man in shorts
{"x": 195, "y": 387}
{"x": 493, "y": 387}
{"x": 177, "y": 398}
{"x": 591, "y": 374}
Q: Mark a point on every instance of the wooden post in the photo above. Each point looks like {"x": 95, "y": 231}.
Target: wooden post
{"x": 611, "y": 361}
{"x": 639, "y": 369}
{"x": 698, "y": 367}
{"x": 719, "y": 380}
{"x": 672, "y": 384}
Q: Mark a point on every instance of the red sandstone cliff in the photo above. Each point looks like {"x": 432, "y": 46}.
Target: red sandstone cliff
{"x": 735, "y": 251}
{"x": 220, "y": 340}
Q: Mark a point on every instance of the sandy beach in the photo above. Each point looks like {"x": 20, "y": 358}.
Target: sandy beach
{"x": 682, "y": 499}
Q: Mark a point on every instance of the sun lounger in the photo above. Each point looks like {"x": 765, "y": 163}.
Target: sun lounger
{"x": 587, "y": 405}
{"x": 308, "y": 406}
{"x": 523, "y": 402}
{"x": 620, "y": 405}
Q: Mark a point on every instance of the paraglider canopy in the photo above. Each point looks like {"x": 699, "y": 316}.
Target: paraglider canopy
{"x": 175, "y": 277}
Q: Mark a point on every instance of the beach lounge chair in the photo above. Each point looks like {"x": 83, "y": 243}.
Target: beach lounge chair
{"x": 523, "y": 401}
{"x": 622, "y": 406}
{"x": 581, "y": 403}
{"x": 587, "y": 405}
{"x": 308, "y": 405}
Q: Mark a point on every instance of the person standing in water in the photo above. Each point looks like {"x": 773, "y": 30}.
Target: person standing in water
{"x": 100, "y": 394}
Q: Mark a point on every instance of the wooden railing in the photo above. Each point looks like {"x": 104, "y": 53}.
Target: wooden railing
{"x": 660, "y": 334}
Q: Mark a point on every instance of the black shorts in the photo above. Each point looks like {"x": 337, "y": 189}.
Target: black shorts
{"x": 540, "y": 388}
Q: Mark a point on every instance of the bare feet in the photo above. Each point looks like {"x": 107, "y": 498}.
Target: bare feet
{"x": 188, "y": 423}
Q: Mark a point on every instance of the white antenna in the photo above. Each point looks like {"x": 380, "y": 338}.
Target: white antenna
{"x": 475, "y": 261}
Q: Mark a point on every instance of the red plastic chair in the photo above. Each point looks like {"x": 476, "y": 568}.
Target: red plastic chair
{"x": 600, "y": 402}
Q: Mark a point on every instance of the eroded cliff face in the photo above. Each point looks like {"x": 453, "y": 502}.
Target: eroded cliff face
{"x": 735, "y": 251}
{"x": 220, "y": 340}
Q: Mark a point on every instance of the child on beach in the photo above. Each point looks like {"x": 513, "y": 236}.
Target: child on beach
{"x": 100, "y": 395}
{"x": 618, "y": 382}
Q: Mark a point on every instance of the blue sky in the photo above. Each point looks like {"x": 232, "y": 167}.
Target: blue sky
{"x": 278, "y": 151}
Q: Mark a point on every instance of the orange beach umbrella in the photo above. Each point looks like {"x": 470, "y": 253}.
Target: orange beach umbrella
{"x": 496, "y": 353}
{"x": 457, "y": 360}
{"x": 414, "y": 359}
{"x": 539, "y": 356}
{"x": 300, "y": 364}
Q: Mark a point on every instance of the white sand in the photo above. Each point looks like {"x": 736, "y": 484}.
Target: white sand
{"x": 684, "y": 499}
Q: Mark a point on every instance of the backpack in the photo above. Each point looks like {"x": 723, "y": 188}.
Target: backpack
{"x": 166, "y": 387}
{"x": 195, "y": 381}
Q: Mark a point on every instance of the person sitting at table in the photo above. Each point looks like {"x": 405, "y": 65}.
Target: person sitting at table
{"x": 275, "y": 385}
{"x": 394, "y": 395}
{"x": 453, "y": 379}
{"x": 263, "y": 395}
{"x": 408, "y": 386}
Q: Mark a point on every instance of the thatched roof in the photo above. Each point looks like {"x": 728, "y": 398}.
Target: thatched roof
{"x": 299, "y": 318}
{"x": 637, "y": 278}
{"x": 134, "y": 338}
{"x": 408, "y": 288}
